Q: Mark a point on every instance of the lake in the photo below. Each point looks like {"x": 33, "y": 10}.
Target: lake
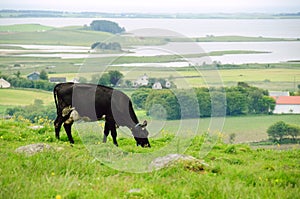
{"x": 284, "y": 28}
{"x": 277, "y": 51}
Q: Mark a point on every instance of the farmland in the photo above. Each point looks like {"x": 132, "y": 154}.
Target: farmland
{"x": 72, "y": 172}
{"x": 251, "y": 166}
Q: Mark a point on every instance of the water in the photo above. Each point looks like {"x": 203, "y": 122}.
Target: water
{"x": 284, "y": 28}
{"x": 277, "y": 51}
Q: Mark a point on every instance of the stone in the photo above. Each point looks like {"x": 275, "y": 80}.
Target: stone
{"x": 33, "y": 148}
{"x": 167, "y": 160}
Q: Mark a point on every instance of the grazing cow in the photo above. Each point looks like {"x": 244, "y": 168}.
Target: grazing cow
{"x": 92, "y": 102}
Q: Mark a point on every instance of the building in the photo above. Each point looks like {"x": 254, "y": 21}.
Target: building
{"x": 157, "y": 85}
{"x": 287, "y": 105}
{"x": 57, "y": 79}
{"x": 141, "y": 81}
{"x": 34, "y": 76}
{"x": 4, "y": 83}
{"x": 279, "y": 93}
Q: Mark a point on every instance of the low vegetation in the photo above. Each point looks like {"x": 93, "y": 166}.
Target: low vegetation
{"x": 234, "y": 171}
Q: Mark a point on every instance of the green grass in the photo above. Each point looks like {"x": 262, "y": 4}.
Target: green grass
{"x": 24, "y": 97}
{"x": 234, "y": 171}
{"x": 25, "y": 28}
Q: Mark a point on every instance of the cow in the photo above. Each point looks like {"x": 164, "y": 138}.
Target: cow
{"x": 95, "y": 102}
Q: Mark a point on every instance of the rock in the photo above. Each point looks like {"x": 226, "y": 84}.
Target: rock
{"x": 167, "y": 160}
{"x": 33, "y": 148}
{"x": 134, "y": 191}
{"x": 37, "y": 127}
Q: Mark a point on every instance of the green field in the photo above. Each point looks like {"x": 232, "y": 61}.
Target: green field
{"x": 232, "y": 171}
{"x": 25, "y": 28}
{"x": 18, "y": 97}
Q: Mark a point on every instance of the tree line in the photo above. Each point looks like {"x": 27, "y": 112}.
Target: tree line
{"x": 203, "y": 102}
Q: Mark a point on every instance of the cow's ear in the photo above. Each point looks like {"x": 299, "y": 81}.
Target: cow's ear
{"x": 144, "y": 124}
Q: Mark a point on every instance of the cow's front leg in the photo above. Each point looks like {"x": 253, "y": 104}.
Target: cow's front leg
{"x": 68, "y": 127}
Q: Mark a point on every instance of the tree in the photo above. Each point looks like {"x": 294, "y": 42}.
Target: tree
{"x": 293, "y": 131}
{"x": 104, "y": 80}
{"x": 139, "y": 97}
{"x": 115, "y": 76}
{"x": 43, "y": 75}
{"x": 106, "y": 26}
{"x": 277, "y": 131}
{"x": 163, "y": 104}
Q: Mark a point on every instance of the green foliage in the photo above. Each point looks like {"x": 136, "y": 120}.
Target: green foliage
{"x": 33, "y": 112}
{"x": 203, "y": 102}
{"x": 112, "y": 78}
{"x": 106, "y": 26}
{"x": 280, "y": 129}
{"x": 43, "y": 75}
{"x": 139, "y": 97}
{"x": 163, "y": 104}
{"x": 20, "y": 82}
{"x": 115, "y": 77}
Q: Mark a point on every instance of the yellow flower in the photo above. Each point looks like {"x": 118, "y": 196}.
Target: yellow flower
{"x": 53, "y": 174}
{"x": 58, "y": 197}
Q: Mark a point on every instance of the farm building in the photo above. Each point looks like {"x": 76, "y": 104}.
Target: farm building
{"x": 57, "y": 79}
{"x": 34, "y": 76}
{"x": 287, "y": 105}
{"x": 4, "y": 83}
{"x": 141, "y": 81}
{"x": 157, "y": 85}
{"x": 279, "y": 93}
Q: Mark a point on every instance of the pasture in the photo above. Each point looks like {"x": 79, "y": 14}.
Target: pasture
{"x": 23, "y": 97}
{"x": 232, "y": 171}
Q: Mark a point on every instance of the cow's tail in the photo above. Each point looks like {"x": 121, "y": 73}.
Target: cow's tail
{"x": 55, "y": 96}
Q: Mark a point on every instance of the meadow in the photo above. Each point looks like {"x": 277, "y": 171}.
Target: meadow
{"x": 239, "y": 170}
{"x": 231, "y": 171}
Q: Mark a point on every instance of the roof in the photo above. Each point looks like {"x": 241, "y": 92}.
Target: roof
{"x": 287, "y": 100}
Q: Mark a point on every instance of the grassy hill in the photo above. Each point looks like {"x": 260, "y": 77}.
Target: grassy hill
{"x": 19, "y": 97}
{"x": 233, "y": 171}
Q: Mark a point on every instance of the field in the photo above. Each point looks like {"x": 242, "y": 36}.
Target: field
{"x": 231, "y": 171}
{"x": 250, "y": 167}
{"x": 18, "y": 97}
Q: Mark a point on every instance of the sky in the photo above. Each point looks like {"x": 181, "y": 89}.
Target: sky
{"x": 156, "y": 6}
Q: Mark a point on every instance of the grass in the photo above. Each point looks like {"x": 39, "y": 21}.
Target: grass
{"x": 19, "y": 97}
{"x": 234, "y": 171}
{"x": 25, "y": 28}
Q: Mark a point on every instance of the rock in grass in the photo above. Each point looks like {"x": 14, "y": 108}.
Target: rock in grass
{"x": 33, "y": 148}
{"x": 169, "y": 159}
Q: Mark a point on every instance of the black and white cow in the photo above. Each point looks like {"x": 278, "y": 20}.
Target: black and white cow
{"x": 94, "y": 102}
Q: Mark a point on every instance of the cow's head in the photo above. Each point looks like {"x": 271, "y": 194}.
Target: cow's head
{"x": 140, "y": 134}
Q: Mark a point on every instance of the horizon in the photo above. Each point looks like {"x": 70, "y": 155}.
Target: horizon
{"x": 157, "y": 6}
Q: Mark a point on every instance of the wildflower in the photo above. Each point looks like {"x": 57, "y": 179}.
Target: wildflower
{"x": 58, "y": 197}
{"x": 53, "y": 174}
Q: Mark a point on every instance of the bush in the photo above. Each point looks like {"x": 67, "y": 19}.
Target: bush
{"x": 33, "y": 112}
{"x": 280, "y": 129}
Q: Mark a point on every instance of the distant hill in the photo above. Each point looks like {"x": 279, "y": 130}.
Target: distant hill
{"x": 52, "y": 14}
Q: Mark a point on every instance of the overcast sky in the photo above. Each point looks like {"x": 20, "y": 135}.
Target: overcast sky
{"x": 156, "y": 6}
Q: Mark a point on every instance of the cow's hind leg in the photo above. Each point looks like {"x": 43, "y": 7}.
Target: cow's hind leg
{"x": 114, "y": 133}
{"x": 57, "y": 125}
{"x": 68, "y": 127}
{"x": 106, "y": 132}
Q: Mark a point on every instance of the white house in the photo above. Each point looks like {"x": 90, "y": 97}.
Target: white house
{"x": 279, "y": 93}
{"x": 141, "y": 81}
{"x": 4, "y": 83}
{"x": 157, "y": 85}
{"x": 287, "y": 105}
